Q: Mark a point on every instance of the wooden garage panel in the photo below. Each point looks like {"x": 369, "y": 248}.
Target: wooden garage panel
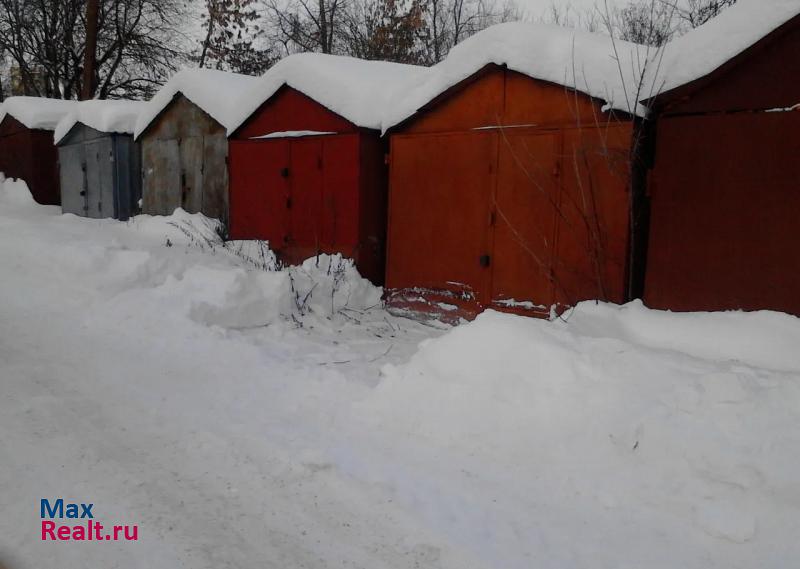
{"x": 440, "y": 190}
{"x": 161, "y": 176}
{"x": 215, "y": 176}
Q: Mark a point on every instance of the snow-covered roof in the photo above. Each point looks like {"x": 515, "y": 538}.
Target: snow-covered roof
{"x": 104, "y": 116}
{"x": 355, "y": 89}
{"x": 216, "y": 92}
{"x": 36, "y": 112}
{"x": 588, "y": 62}
{"x": 706, "y": 48}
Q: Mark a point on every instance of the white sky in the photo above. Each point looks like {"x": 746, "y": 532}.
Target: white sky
{"x": 534, "y": 8}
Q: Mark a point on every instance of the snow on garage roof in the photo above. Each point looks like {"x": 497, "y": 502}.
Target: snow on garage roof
{"x": 588, "y": 62}
{"x": 355, "y": 89}
{"x": 708, "y": 47}
{"x": 104, "y": 116}
{"x": 36, "y": 112}
{"x": 216, "y": 92}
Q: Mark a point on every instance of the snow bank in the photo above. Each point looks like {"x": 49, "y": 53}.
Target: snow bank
{"x": 355, "y": 89}
{"x": 758, "y": 339}
{"x": 216, "y": 92}
{"x": 588, "y": 62}
{"x": 706, "y": 48}
{"x": 36, "y": 112}
{"x": 646, "y": 429}
{"x": 16, "y": 193}
{"x": 103, "y": 116}
{"x": 244, "y": 288}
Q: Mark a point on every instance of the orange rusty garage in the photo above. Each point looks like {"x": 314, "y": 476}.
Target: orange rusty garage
{"x": 509, "y": 188}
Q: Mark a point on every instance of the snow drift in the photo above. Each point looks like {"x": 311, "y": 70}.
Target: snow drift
{"x": 706, "y": 48}
{"x": 103, "y": 116}
{"x": 618, "y": 436}
{"x": 36, "y": 112}
{"x": 590, "y": 63}
{"x": 356, "y": 89}
{"x": 216, "y": 92}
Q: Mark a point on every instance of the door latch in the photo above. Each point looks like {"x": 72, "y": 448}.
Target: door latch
{"x": 285, "y": 172}
{"x": 484, "y": 260}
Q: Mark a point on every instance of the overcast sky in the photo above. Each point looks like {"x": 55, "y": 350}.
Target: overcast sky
{"x": 534, "y": 8}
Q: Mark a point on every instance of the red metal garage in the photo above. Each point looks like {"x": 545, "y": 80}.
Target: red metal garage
{"x": 26, "y": 144}
{"x": 725, "y": 183}
{"x": 307, "y": 168}
{"x": 508, "y": 190}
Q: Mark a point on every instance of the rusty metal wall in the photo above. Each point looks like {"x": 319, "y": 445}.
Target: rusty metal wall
{"x": 31, "y": 156}
{"x": 725, "y": 200}
{"x": 304, "y": 196}
{"x": 515, "y": 218}
{"x": 184, "y": 163}
{"x": 725, "y": 186}
{"x": 289, "y": 110}
{"x": 311, "y": 194}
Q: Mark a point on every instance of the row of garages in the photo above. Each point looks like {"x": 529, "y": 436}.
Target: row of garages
{"x": 494, "y": 180}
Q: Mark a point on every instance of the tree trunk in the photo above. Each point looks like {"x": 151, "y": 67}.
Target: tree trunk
{"x": 90, "y": 54}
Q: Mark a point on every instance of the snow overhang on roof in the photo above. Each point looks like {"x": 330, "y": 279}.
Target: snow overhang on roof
{"x": 36, "y": 112}
{"x": 103, "y": 116}
{"x": 215, "y": 92}
{"x": 355, "y": 89}
{"x": 705, "y": 49}
{"x": 592, "y": 63}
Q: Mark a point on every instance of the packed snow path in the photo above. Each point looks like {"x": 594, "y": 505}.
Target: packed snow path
{"x": 241, "y": 420}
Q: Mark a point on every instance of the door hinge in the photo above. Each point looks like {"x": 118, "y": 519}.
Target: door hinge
{"x": 285, "y": 172}
{"x": 288, "y": 203}
{"x": 484, "y": 260}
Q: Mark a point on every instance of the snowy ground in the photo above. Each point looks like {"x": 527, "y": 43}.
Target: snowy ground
{"x": 242, "y": 422}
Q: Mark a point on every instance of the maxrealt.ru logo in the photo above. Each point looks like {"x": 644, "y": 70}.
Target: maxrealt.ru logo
{"x": 88, "y": 530}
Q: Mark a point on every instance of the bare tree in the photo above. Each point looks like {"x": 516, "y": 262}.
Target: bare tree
{"x": 643, "y": 23}
{"x": 385, "y": 30}
{"x": 697, "y": 12}
{"x": 46, "y": 43}
{"x": 306, "y": 25}
{"x": 232, "y": 39}
{"x": 452, "y": 21}
{"x": 647, "y": 22}
{"x": 566, "y": 15}
{"x": 90, "y": 52}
